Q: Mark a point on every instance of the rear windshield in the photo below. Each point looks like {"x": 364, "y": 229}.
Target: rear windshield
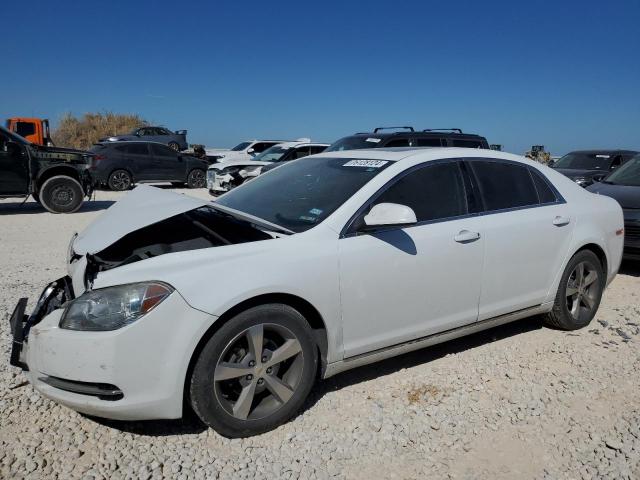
{"x": 301, "y": 194}
{"x": 357, "y": 142}
{"x": 584, "y": 161}
{"x": 627, "y": 174}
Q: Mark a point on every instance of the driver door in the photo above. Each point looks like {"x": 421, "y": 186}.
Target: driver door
{"x": 402, "y": 283}
{"x": 14, "y": 167}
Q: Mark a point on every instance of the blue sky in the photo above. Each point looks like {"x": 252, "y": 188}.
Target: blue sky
{"x": 565, "y": 74}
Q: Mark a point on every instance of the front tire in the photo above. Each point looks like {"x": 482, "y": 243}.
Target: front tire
{"x": 174, "y": 146}
{"x": 255, "y": 372}
{"x": 196, "y": 178}
{"x": 579, "y": 293}
{"x": 120, "y": 180}
{"x": 61, "y": 194}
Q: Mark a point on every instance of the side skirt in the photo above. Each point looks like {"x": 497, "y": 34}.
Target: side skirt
{"x": 388, "y": 352}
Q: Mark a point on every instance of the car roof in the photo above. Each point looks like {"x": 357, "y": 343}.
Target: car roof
{"x": 125, "y": 142}
{"x": 301, "y": 144}
{"x": 419, "y": 133}
{"x": 397, "y": 154}
{"x": 603, "y": 151}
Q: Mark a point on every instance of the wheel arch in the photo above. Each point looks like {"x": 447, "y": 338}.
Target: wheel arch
{"x": 307, "y": 310}
{"x": 56, "y": 171}
{"x": 599, "y": 252}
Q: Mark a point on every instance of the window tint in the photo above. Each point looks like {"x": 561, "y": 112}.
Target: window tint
{"x": 504, "y": 185}
{"x": 433, "y": 192}
{"x": 262, "y": 146}
{"x": 429, "y": 142}
{"x": 458, "y": 142}
{"x": 545, "y": 194}
{"x": 317, "y": 149}
{"x": 25, "y": 128}
{"x": 398, "y": 142}
{"x": 137, "y": 149}
{"x": 300, "y": 152}
{"x": 162, "y": 151}
{"x": 163, "y": 131}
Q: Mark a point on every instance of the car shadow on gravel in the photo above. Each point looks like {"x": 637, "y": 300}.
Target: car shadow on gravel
{"x": 630, "y": 267}
{"x": 31, "y": 208}
{"x": 190, "y": 424}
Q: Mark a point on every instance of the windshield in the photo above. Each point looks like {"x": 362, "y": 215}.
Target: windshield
{"x": 240, "y": 146}
{"x": 301, "y": 194}
{"x": 584, "y": 161}
{"x": 272, "y": 154}
{"x": 354, "y": 143}
{"x": 627, "y": 174}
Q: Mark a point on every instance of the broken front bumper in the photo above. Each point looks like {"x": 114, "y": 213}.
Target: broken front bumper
{"x": 133, "y": 373}
{"x": 217, "y": 183}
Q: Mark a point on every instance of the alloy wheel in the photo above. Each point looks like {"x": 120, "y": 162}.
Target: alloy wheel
{"x": 197, "y": 179}
{"x": 258, "y": 371}
{"x": 120, "y": 181}
{"x": 583, "y": 288}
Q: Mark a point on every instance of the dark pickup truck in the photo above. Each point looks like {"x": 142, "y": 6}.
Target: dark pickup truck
{"x": 57, "y": 178}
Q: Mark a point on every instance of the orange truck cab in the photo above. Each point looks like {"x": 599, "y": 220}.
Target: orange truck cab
{"x": 36, "y": 130}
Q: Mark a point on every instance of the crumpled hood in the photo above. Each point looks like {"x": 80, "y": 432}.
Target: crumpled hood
{"x": 626, "y": 195}
{"x": 141, "y": 207}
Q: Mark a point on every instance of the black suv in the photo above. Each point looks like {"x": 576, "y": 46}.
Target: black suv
{"x": 118, "y": 165}
{"x": 588, "y": 166}
{"x": 57, "y": 178}
{"x": 408, "y": 137}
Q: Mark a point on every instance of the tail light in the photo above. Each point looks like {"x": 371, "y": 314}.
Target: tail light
{"x": 96, "y": 159}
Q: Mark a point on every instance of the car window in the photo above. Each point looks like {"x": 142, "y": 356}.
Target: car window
{"x": 398, "y": 142}
{"x": 545, "y": 193}
{"x": 504, "y": 185}
{"x": 433, "y": 192}
{"x": 137, "y": 149}
{"x": 163, "y": 131}
{"x": 429, "y": 142}
{"x": 627, "y": 174}
{"x": 240, "y": 146}
{"x": 300, "y": 152}
{"x": 461, "y": 143}
{"x": 25, "y": 128}
{"x": 317, "y": 149}
{"x": 355, "y": 143}
{"x": 162, "y": 151}
{"x": 260, "y": 147}
{"x": 584, "y": 161}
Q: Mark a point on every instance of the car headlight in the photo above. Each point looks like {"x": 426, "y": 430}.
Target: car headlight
{"x": 246, "y": 171}
{"x": 112, "y": 308}
{"x": 229, "y": 170}
{"x": 582, "y": 180}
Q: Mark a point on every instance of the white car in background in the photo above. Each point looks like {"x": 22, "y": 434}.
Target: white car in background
{"x": 242, "y": 151}
{"x": 325, "y": 264}
{"x": 222, "y": 177}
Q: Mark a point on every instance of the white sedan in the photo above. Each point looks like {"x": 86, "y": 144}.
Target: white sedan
{"x": 237, "y": 307}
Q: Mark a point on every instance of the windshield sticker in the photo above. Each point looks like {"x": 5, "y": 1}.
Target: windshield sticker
{"x": 315, "y": 211}
{"x": 307, "y": 219}
{"x": 603, "y": 156}
{"x": 366, "y": 163}
{"x": 373, "y": 140}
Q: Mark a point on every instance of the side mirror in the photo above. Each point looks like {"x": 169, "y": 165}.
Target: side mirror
{"x": 251, "y": 151}
{"x": 390, "y": 214}
{"x": 598, "y": 177}
{"x": 551, "y": 162}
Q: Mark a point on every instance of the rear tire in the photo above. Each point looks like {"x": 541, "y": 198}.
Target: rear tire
{"x": 61, "y": 194}
{"x": 174, "y": 146}
{"x": 196, "y": 179}
{"x": 579, "y": 293}
{"x": 120, "y": 180}
{"x": 255, "y": 372}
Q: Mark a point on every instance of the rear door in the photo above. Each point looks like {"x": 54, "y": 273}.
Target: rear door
{"x": 138, "y": 160}
{"x": 527, "y": 229}
{"x": 168, "y": 164}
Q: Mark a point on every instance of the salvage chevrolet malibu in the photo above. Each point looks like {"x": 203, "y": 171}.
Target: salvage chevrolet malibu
{"x": 235, "y": 307}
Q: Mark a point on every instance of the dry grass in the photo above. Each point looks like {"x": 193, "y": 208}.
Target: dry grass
{"x": 85, "y": 131}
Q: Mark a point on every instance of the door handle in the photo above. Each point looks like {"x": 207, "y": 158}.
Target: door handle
{"x": 465, "y": 236}
{"x": 561, "y": 221}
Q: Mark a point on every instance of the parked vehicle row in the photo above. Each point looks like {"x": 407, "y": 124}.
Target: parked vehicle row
{"x": 588, "y": 166}
{"x": 328, "y": 262}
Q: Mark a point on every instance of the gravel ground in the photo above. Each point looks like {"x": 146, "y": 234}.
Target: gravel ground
{"x": 520, "y": 401}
